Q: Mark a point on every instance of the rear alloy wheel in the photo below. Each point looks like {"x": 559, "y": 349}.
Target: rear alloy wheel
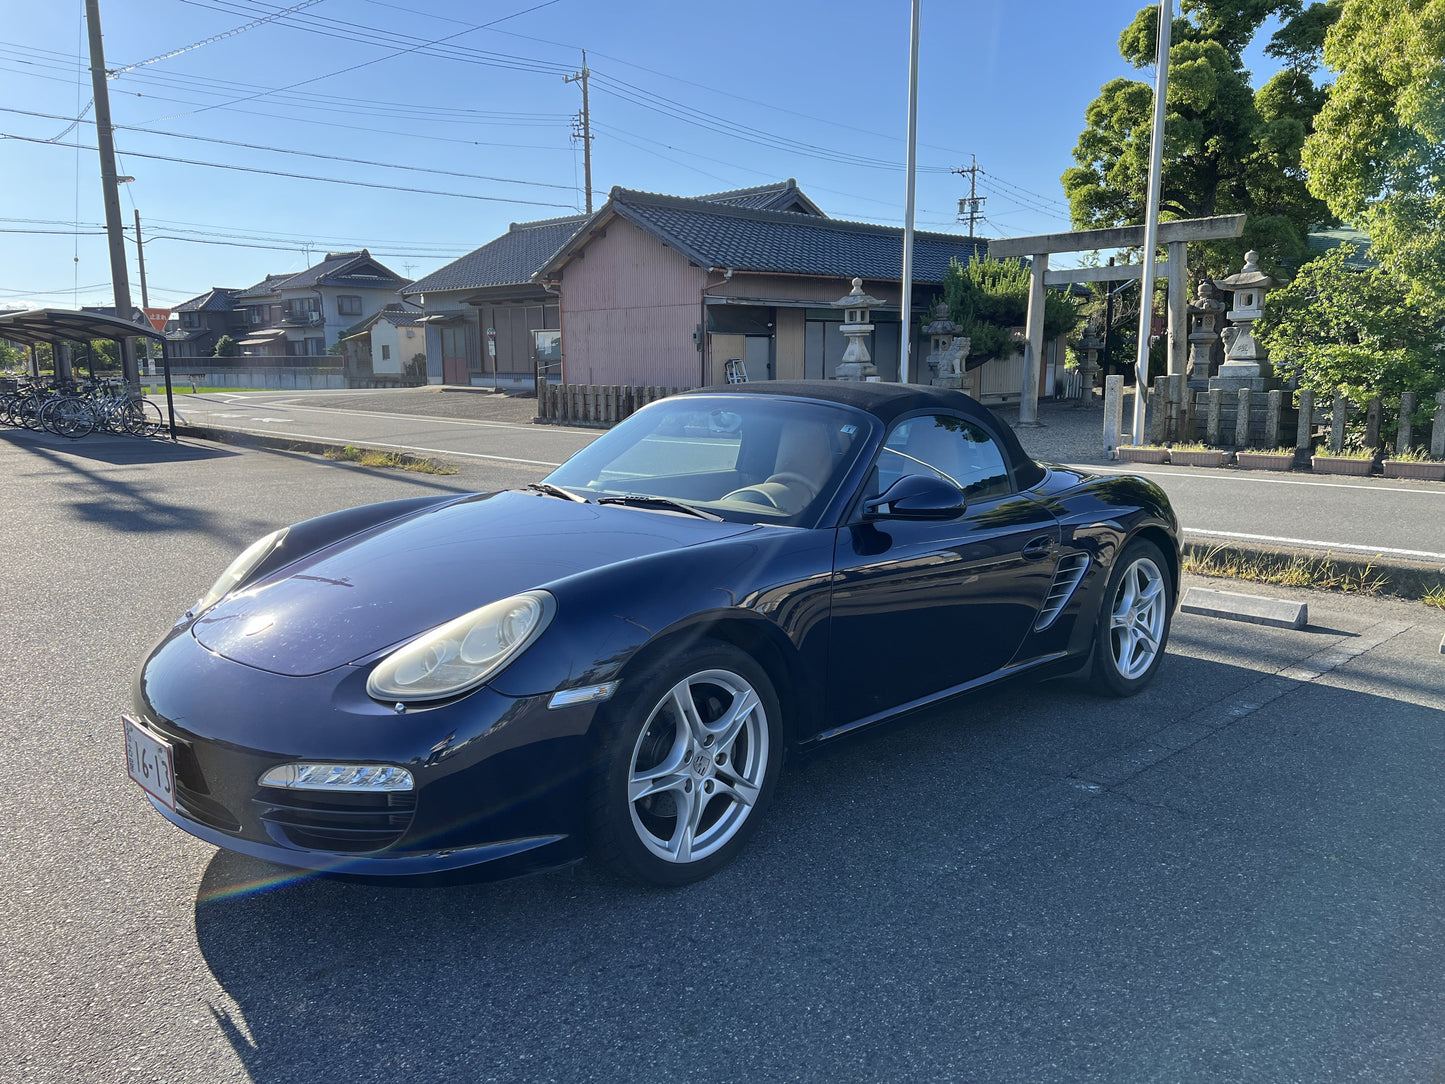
{"x": 692, "y": 759}
{"x": 1133, "y": 626}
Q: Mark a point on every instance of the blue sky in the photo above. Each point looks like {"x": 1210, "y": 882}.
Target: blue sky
{"x": 685, "y": 99}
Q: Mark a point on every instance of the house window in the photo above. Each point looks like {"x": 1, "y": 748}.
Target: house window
{"x": 190, "y": 319}
{"x": 385, "y": 352}
{"x": 348, "y": 305}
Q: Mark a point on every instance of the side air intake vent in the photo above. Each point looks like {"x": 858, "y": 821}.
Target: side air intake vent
{"x": 1066, "y": 579}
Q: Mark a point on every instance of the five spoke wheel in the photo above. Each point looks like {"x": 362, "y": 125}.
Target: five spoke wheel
{"x": 1133, "y": 621}
{"x": 692, "y": 760}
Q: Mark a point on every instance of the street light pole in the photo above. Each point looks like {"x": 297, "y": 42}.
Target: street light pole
{"x": 114, "y": 228}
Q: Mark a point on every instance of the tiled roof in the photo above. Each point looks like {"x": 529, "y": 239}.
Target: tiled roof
{"x": 402, "y": 316}
{"x": 346, "y": 269}
{"x": 267, "y": 287}
{"x": 782, "y": 242}
{"x": 784, "y": 196}
{"x": 216, "y": 299}
{"x": 510, "y": 260}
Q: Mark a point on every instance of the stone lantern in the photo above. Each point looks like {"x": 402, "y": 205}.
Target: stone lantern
{"x": 947, "y": 349}
{"x": 1091, "y": 344}
{"x": 1244, "y": 359}
{"x": 1204, "y": 334}
{"x": 856, "y": 363}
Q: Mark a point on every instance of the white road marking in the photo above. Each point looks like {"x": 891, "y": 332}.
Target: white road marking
{"x": 1317, "y": 544}
{"x": 1258, "y": 477}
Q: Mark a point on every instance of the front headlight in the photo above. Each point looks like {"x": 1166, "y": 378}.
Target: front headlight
{"x": 462, "y": 654}
{"x": 239, "y": 569}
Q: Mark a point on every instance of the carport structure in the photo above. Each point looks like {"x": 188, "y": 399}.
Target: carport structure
{"x": 56, "y": 326}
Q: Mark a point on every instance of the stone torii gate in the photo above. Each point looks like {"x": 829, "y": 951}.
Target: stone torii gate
{"x": 1175, "y": 235}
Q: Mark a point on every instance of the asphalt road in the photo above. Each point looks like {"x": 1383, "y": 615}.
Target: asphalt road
{"x": 1236, "y": 876}
{"x": 1327, "y": 513}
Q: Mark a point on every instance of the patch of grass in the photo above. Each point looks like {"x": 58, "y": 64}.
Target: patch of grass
{"x": 1346, "y": 453}
{"x": 1192, "y": 446}
{"x": 368, "y": 457}
{"x": 1287, "y": 570}
{"x": 1413, "y": 455}
{"x": 179, "y": 387}
{"x": 1434, "y": 597}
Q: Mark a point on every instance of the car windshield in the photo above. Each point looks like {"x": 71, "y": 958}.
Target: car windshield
{"x": 748, "y": 458}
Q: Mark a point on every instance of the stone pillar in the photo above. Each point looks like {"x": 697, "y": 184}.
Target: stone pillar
{"x": 1178, "y": 310}
{"x": 1241, "y": 420}
{"x": 1337, "y": 423}
{"x": 1272, "y": 419}
{"x": 1437, "y": 430}
{"x": 1215, "y": 417}
{"x": 1305, "y": 429}
{"x": 1114, "y": 415}
{"x": 1407, "y": 424}
{"x": 1034, "y": 352}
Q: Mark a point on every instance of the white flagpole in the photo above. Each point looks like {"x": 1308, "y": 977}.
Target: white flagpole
{"x": 906, "y": 315}
{"x": 1151, "y": 219}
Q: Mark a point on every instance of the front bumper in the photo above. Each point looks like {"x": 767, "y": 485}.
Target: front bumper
{"x": 500, "y": 782}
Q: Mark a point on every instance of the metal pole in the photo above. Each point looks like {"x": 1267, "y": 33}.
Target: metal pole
{"x": 905, "y": 345}
{"x": 145, "y": 301}
{"x": 114, "y": 229}
{"x": 1151, "y": 219}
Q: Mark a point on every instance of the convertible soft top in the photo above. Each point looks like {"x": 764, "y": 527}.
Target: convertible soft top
{"x": 887, "y": 402}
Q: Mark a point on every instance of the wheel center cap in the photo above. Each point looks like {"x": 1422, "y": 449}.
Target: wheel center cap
{"x": 701, "y": 763}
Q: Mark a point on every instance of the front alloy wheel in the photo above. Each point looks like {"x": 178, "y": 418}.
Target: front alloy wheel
{"x": 1133, "y": 621}
{"x": 691, "y": 765}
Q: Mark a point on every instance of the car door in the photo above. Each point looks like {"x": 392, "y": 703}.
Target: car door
{"x": 924, "y": 606}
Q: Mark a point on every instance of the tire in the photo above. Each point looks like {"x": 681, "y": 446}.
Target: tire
{"x": 1133, "y": 625}
{"x": 673, "y": 736}
{"x": 142, "y": 418}
{"x": 74, "y": 418}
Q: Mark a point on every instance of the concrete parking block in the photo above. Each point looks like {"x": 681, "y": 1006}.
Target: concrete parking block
{"x": 1255, "y": 609}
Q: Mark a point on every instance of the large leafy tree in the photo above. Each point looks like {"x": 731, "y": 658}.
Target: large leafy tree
{"x": 1338, "y": 327}
{"x": 1228, "y": 148}
{"x": 1377, "y": 154}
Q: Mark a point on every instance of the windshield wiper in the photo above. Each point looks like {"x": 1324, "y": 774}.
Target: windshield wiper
{"x": 667, "y": 504}
{"x": 556, "y": 491}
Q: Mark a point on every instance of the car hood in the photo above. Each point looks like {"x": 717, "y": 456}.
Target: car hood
{"x": 382, "y": 587}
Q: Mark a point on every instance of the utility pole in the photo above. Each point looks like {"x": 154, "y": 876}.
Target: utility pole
{"x": 906, "y": 304}
{"x": 582, "y": 126}
{"x": 975, "y": 202}
{"x": 114, "y": 228}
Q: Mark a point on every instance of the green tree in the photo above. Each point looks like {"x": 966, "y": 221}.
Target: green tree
{"x": 1377, "y": 154}
{"x": 1227, "y": 148}
{"x": 1357, "y": 331}
{"x": 988, "y": 298}
{"x": 226, "y": 347}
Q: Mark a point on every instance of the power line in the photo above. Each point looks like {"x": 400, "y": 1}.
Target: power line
{"x": 301, "y": 176}
{"x": 213, "y": 38}
{"x": 303, "y": 154}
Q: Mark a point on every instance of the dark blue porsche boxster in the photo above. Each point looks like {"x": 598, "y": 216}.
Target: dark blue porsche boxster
{"x": 615, "y": 661}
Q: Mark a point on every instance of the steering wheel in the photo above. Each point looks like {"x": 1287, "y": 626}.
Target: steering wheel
{"x": 752, "y": 496}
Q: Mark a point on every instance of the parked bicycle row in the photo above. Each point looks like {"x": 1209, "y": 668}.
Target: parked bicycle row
{"x": 78, "y": 410}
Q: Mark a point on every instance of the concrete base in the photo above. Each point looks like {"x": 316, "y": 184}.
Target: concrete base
{"x": 954, "y": 382}
{"x": 857, "y": 370}
{"x": 1254, "y": 609}
{"x": 1229, "y": 383}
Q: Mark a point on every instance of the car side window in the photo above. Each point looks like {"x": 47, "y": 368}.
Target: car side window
{"x": 946, "y": 446}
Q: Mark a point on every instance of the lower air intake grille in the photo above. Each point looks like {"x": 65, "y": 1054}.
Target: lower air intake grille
{"x": 1067, "y": 576}
{"x": 350, "y": 823}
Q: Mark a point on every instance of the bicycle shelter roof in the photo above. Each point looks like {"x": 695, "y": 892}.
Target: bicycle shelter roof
{"x": 34, "y": 326}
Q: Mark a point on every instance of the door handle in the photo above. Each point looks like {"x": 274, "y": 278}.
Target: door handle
{"x": 1036, "y": 549}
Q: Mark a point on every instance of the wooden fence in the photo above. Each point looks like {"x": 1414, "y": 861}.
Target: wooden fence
{"x": 596, "y": 404}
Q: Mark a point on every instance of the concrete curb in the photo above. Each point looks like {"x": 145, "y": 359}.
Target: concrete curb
{"x": 1254, "y": 609}
{"x": 298, "y": 444}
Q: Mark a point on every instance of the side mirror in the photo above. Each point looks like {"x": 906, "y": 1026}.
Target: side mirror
{"x": 917, "y": 496}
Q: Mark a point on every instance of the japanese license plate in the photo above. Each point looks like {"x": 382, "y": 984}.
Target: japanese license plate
{"x": 150, "y": 762}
